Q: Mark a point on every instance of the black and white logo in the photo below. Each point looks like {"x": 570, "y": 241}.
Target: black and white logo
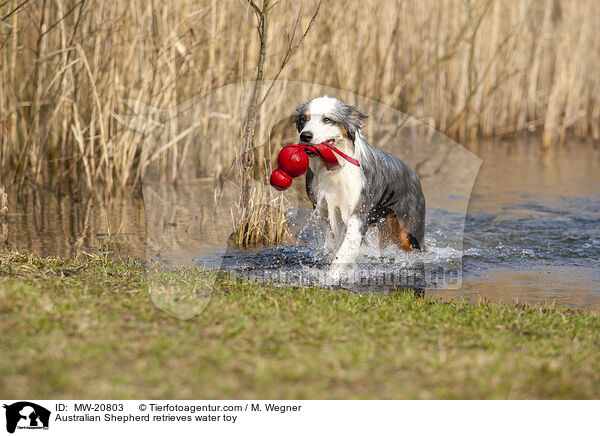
{"x": 26, "y": 415}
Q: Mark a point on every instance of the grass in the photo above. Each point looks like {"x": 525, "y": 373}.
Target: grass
{"x": 75, "y": 328}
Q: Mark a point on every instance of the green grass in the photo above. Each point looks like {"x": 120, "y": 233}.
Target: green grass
{"x": 89, "y": 329}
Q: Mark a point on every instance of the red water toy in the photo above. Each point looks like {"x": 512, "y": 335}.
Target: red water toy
{"x": 292, "y": 161}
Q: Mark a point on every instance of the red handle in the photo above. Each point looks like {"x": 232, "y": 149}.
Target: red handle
{"x": 344, "y": 155}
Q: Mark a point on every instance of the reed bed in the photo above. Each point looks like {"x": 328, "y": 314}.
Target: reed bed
{"x": 468, "y": 68}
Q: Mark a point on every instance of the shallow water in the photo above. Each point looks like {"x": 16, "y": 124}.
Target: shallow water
{"x": 532, "y": 230}
{"x": 531, "y": 234}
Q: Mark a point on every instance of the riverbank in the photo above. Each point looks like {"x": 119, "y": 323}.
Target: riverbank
{"x": 87, "y": 328}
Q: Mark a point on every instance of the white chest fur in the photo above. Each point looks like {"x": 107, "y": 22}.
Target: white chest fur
{"x": 337, "y": 192}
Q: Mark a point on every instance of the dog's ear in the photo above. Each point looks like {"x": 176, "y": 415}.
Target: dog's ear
{"x": 353, "y": 121}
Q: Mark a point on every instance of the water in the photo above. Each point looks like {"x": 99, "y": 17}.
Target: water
{"x": 305, "y": 262}
{"x": 531, "y": 234}
{"x": 532, "y": 231}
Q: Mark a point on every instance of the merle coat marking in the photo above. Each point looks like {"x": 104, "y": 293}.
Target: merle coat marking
{"x": 383, "y": 191}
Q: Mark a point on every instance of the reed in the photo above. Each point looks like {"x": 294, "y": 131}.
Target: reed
{"x": 262, "y": 221}
{"x": 70, "y": 68}
{"x": 3, "y": 217}
{"x": 470, "y": 68}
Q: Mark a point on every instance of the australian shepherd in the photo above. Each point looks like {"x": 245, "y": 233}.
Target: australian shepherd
{"x": 382, "y": 191}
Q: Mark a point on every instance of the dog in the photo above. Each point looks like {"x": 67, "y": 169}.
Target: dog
{"x": 382, "y": 191}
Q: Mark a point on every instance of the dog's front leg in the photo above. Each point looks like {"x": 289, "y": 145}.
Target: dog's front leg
{"x": 348, "y": 250}
{"x": 328, "y": 235}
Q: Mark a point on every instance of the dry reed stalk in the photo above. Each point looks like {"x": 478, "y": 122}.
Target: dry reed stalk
{"x": 3, "y": 215}
{"x": 263, "y": 221}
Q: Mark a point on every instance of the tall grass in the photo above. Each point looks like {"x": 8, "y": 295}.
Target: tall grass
{"x": 469, "y": 68}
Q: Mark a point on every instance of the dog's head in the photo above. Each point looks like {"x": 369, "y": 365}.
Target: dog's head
{"x": 327, "y": 119}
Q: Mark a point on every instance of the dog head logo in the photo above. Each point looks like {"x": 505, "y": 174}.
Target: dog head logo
{"x": 26, "y": 415}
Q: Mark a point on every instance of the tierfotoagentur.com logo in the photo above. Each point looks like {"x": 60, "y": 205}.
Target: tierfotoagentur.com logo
{"x": 24, "y": 415}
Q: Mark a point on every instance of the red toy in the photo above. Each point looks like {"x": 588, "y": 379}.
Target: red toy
{"x": 292, "y": 161}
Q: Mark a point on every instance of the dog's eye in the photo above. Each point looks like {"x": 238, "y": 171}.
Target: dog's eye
{"x": 327, "y": 120}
